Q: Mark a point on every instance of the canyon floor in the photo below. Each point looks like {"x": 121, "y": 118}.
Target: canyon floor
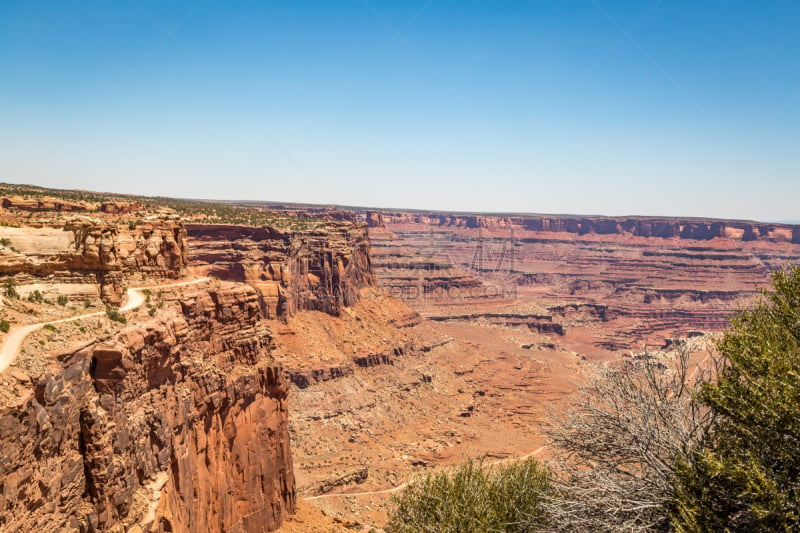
{"x": 515, "y": 317}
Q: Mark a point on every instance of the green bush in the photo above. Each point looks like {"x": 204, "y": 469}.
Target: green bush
{"x": 473, "y": 498}
{"x": 36, "y": 297}
{"x": 10, "y": 288}
{"x": 49, "y": 327}
{"x": 745, "y": 476}
{"x": 115, "y": 315}
{"x": 62, "y": 299}
{"x": 5, "y": 326}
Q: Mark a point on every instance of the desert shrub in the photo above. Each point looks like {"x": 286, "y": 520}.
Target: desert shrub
{"x": 746, "y": 474}
{"x": 473, "y": 498}
{"x": 617, "y": 448}
{"x": 5, "y": 241}
{"x": 62, "y": 299}
{"x": 10, "y": 288}
{"x": 114, "y": 314}
{"x": 36, "y": 297}
{"x": 49, "y": 327}
{"x": 5, "y": 326}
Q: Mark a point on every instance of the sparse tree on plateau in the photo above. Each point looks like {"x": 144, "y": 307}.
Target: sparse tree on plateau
{"x": 746, "y": 474}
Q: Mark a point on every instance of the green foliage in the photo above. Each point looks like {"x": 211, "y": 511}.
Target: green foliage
{"x": 62, "y": 299}
{"x": 10, "y": 288}
{"x": 49, "y": 327}
{"x": 473, "y": 498}
{"x": 114, "y": 314}
{"x": 5, "y": 326}
{"x": 5, "y": 241}
{"x": 36, "y": 297}
{"x": 746, "y": 474}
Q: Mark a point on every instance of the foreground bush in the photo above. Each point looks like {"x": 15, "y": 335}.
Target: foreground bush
{"x": 473, "y": 498}
{"x": 615, "y": 451}
{"x": 746, "y": 474}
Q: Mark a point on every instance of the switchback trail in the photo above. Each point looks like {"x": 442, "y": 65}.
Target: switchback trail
{"x": 13, "y": 341}
{"x": 405, "y": 484}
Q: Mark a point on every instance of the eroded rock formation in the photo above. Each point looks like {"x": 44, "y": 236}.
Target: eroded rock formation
{"x": 84, "y": 250}
{"x": 319, "y": 270}
{"x": 175, "y": 425}
{"x": 655, "y": 276}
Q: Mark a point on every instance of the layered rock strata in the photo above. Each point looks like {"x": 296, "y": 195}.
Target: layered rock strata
{"x": 319, "y": 270}
{"x": 655, "y": 276}
{"x": 178, "y": 424}
{"x": 682, "y": 228}
{"x": 84, "y": 250}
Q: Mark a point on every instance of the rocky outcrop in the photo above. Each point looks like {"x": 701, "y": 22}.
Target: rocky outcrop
{"x": 83, "y": 250}
{"x": 121, "y": 208}
{"x": 174, "y": 425}
{"x": 43, "y": 204}
{"x": 375, "y": 219}
{"x": 315, "y": 270}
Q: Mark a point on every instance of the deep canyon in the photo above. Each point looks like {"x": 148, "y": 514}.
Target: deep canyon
{"x": 288, "y": 375}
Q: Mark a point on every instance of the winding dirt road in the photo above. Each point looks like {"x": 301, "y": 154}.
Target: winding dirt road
{"x": 13, "y": 341}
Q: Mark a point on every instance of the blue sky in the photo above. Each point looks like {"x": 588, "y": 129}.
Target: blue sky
{"x": 568, "y": 106}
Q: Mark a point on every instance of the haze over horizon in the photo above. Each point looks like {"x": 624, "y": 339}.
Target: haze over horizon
{"x": 586, "y": 107}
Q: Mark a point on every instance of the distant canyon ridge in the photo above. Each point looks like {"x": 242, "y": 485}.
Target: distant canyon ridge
{"x": 606, "y": 283}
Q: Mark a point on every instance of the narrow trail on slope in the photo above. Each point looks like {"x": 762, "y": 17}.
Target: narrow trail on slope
{"x": 405, "y": 484}
{"x": 13, "y": 341}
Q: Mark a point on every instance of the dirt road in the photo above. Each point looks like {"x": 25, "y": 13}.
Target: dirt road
{"x": 13, "y": 341}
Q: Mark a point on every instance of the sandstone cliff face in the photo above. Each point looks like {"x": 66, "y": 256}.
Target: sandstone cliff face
{"x": 695, "y": 229}
{"x": 320, "y": 270}
{"x": 178, "y": 424}
{"x": 83, "y": 250}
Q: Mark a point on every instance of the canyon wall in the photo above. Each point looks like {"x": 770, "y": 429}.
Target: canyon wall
{"x": 657, "y": 277}
{"x": 683, "y": 228}
{"x": 175, "y": 424}
{"x": 320, "y": 270}
{"x": 86, "y": 250}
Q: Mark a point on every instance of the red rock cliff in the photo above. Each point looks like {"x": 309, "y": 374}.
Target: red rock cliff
{"x": 175, "y": 425}
{"x": 319, "y": 270}
{"x": 683, "y": 228}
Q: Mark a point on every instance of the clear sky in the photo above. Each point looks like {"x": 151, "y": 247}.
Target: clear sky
{"x": 565, "y": 106}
